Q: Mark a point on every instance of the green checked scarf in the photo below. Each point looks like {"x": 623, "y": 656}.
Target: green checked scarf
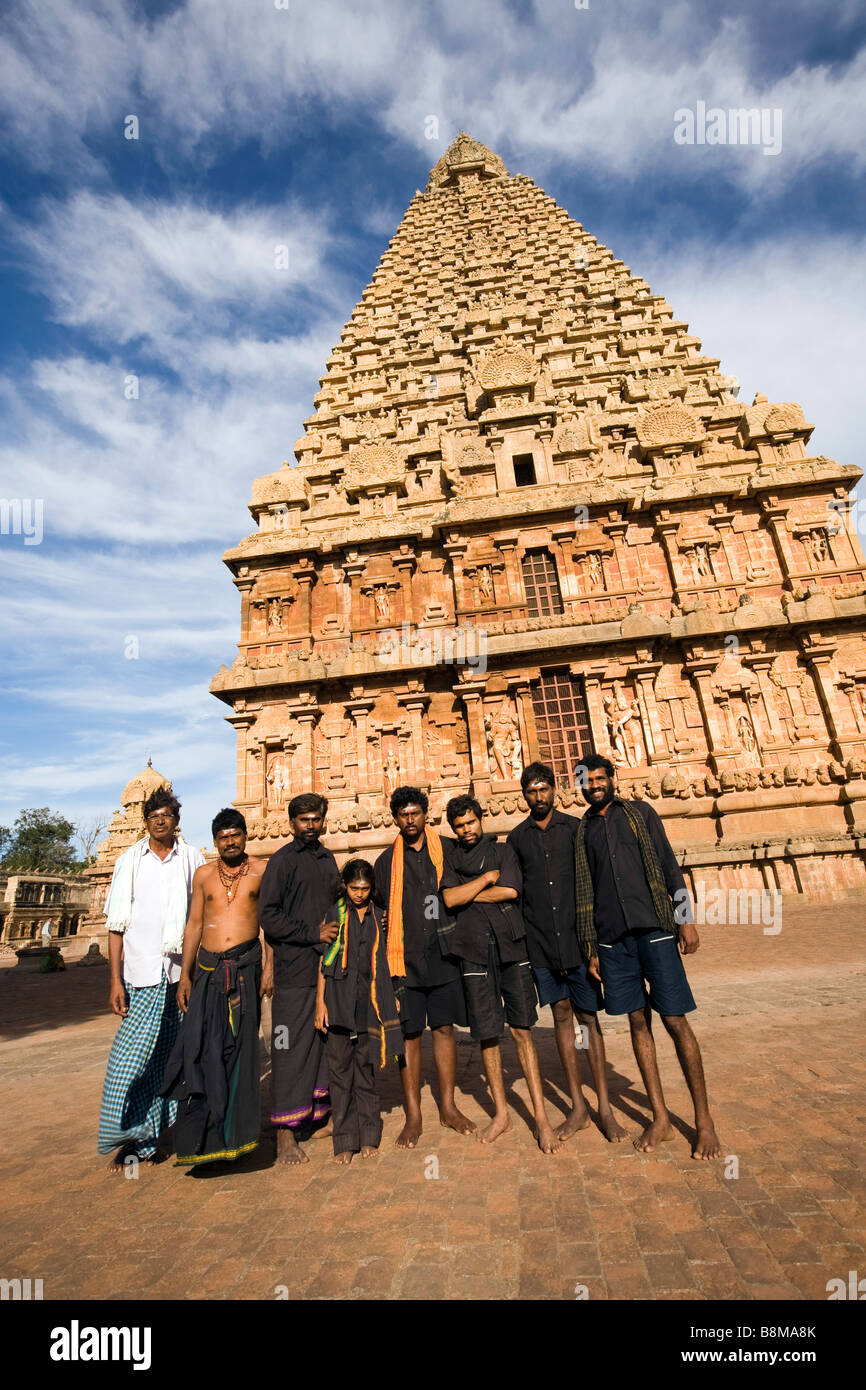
{"x": 585, "y": 896}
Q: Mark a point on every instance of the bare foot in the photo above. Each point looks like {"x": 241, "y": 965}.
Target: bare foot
{"x": 547, "y": 1140}
{"x": 325, "y": 1132}
{"x": 611, "y": 1129}
{"x": 706, "y": 1144}
{"x": 659, "y": 1132}
{"x": 574, "y": 1121}
{"x": 369, "y": 1150}
{"x": 410, "y": 1133}
{"x": 345, "y": 1157}
{"x": 288, "y": 1148}
{"x": 117, "y": 1164}
{"x": 454, "y": 1119}
{"x": 498, "y": 1125}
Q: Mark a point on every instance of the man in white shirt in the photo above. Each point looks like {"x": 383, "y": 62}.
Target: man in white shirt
{"x": 147, "y": 908}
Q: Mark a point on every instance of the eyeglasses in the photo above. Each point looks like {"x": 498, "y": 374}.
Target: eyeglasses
{"x": 162, "y": 815}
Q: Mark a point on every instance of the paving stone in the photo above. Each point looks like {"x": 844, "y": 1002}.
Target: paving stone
{"x": 505, "y": 1222}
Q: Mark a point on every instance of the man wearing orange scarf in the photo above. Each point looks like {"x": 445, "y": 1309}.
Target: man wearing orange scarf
{"x": 426, "y": 977}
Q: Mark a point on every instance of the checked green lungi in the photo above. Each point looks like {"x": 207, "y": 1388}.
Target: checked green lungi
{"x": 133, "y": 1112}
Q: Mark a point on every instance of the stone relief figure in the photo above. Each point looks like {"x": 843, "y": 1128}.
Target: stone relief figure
{"x": 279, "y": 782}
{"x": 816, "y": 543}
{"x": 382, "y": 600}
{"x": 594, "y": 571}
{"x": 703, "y": 568}
{"x": 503, "y": 743}
{"x": 275, "y": 614}
{"x": 391, "y": 771}
{"x": 432, "y": 747}
{"x": 624, "y": 727}
{"x": 485, "y": 582}
{"x": 746, "y": 734}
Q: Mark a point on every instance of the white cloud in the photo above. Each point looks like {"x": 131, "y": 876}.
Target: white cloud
{"x": 170, "y": 273}
{"x": 785, "y": 316}
{"x": 575, "y": 89}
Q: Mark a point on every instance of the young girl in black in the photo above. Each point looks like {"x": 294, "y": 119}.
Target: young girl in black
{"x": 356, "y": 1008}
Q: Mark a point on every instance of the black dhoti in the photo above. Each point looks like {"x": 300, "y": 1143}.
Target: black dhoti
{"x": 213, "y": 1070}
{"x": 299, "y": 1069}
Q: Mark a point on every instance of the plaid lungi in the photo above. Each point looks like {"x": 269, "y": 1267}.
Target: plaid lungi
{"x": 133, "y": 1112}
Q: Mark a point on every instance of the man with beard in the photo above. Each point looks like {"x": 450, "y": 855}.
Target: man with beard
{"x": 213, "y": 1071}
{"x": 299, "y": 886}
{"x": 627, "y": 881}
{"x": 481, "y": 884}
{"x": 426, "y": 975}
{"x": 147, "y": 908}
{"x": 544, "y": 845}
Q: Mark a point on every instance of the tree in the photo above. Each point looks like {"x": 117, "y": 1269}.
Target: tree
{"x": 40, "y": 844}
{"x": 87, "y": 833}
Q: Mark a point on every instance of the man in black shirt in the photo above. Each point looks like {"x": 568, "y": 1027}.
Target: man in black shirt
{"x": 481, "y": 884}
{"x": 544, "y": 844}
{"x": 628, "y": 885}
{"x": 299, "y": 887}
{"x": 426, "y": 976}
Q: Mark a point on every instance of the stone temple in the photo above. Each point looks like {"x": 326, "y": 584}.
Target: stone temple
{"x": 529, "y": 518}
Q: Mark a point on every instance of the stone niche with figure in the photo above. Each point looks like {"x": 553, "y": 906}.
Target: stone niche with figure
{"x": 529, "y": 518}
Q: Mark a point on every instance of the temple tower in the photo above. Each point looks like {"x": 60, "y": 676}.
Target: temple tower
{"x": 530, "y": 518}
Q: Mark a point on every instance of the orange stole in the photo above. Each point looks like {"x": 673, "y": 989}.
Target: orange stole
{"x": 396, "y": 959}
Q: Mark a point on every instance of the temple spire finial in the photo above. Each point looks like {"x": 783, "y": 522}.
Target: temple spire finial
{"x": 465, "y": 155}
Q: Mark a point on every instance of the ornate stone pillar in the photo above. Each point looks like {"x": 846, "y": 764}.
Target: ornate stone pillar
{"x": 245, "y": 587}
{"x": 471, "y": 693}
{"x": 760, "y": 664}
{"x": 360, "y": 710}
{"x": 415, "y": 704}
{"x": 644, "y": 678}
{"x": 404, "y": 564}
{"x": 353, "y": 568}
{"x": 595, "y": 713}
{"x": 819, "y": 652}
{"x": 305, "y": 576}
{"x": 306, "y": 754}
{"x": 776, "y": 517}
{"x": 701, "y": 670}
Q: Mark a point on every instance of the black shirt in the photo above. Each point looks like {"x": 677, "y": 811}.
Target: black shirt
{"x": 348, "y": 997}
{"x": 425, "y": 964}
{"x": 299, "y": 887}
{"x": 477, "y": 920}
{"x": 623, "y": 901}
{"x": 546, "y": 860}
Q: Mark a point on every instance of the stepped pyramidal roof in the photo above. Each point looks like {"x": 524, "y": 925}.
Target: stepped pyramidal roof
{"x": 492, "y": 306}
{"x": 529, "y": 518}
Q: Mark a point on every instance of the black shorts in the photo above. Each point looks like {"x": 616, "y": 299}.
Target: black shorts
{"x": 436, "y": 1005}
{"x": 497, "y": 994}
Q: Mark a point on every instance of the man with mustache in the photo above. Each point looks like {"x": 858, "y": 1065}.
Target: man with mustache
{"x": 481, "y": 884}
{"x": 544, "y": 844}
{"x": 628, "y": 881}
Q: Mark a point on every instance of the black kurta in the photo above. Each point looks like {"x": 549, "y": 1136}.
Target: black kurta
{"x": 426, "y": 965}
{"x": 299, "y": 887}
{"x": 623, "y": 901}
{"x": 348, "y": 990}
{"x": 476, "y": 921}
{"x": 548, "y": 903}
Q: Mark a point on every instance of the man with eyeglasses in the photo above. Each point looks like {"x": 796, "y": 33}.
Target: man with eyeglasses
{"x": 147, "y": 908}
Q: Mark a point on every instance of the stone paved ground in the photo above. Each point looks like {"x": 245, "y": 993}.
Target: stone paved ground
{"x": 781, "y": 1024}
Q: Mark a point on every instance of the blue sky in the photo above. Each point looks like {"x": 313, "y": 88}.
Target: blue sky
{"x": 307, "y": 126}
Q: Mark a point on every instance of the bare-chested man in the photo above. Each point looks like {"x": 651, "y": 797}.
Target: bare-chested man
{"x": 213, "y": 1071}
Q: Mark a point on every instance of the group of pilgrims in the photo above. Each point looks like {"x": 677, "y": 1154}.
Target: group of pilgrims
{"x": 581, "y": 914}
